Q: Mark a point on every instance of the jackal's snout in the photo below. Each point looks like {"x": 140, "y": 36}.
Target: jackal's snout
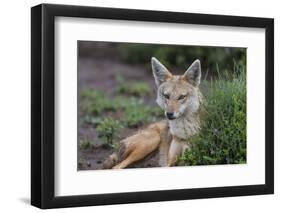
{"x": 170, "y": 115}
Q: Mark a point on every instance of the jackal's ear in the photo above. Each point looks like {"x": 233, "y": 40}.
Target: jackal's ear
{"x": 160, "y": 72}
{"x": 193, "y": 73}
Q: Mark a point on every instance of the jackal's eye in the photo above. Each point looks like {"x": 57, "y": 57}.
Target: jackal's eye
{"x": 181, "y": 97}
{"x": 166, "y": 96}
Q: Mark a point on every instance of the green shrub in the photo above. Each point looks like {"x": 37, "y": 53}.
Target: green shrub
{"x": 133, "y": 88}
{"x": 107, "y": 129}
{"x": 222, "y": 139}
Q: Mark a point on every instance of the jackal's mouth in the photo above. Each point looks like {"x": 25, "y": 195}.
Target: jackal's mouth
{"x": 171, "y": 118}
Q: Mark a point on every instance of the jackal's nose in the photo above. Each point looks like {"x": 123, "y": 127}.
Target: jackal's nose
{"x": 170, "y": 115}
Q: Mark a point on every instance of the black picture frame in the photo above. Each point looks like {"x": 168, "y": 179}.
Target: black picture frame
{"x": 43, "y": 102}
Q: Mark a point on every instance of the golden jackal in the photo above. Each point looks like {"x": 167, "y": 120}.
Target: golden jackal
{"x": 180, "y": 98}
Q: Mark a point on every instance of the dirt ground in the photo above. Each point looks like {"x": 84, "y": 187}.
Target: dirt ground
{"x": 99, "y": 72}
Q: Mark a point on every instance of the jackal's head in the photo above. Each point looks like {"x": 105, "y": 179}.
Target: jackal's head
{"x": 177, "y": 94}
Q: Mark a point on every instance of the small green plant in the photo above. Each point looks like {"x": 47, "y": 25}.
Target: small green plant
{"x": 85, "y": 144}
{"x": 107, "y": 129}
{"x": 222, "y": 139}
{"x": 95, "y": 102}
{"x": 133, "y": 88}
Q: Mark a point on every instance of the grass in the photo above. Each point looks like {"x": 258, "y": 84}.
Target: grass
{"x": 133, "y": 112}
{"x": 138, "y": 115}
{"x": 222, "y": 139}
{"x": 133, "y": 88}
{"x": 109, "y": 116}
{"x": 94, "y": 102}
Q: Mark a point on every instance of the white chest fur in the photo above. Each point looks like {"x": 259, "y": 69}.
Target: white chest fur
{"x": 183, "y": 128}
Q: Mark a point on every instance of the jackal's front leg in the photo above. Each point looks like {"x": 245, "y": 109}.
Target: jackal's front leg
{"x": 138, "y": 146}
{"x": 177, "y": 147}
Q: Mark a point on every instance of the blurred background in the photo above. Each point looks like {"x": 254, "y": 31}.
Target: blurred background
{"x": 172, "y": 56}
{"x": 117, "y": 96}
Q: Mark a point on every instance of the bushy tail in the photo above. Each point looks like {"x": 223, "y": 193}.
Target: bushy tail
{"x": 110, "y": 161}
{"x": 116, "y": 157}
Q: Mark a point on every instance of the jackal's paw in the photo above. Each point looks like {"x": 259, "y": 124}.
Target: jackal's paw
{"x": 120, "y": 166}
